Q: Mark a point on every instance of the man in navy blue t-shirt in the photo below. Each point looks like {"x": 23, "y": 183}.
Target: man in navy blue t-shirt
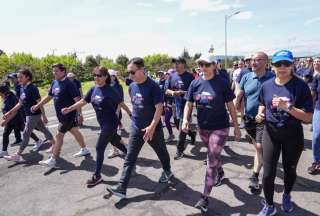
{"x": 177, "y": 86}
{"x": 146, "y": 99}
{"x": 65, "y": 94}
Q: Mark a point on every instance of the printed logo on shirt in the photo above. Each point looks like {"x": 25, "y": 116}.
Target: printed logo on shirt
{"x": 55, "y": 91}
{"x": 137, "y": 100}
{"x": 280, "y": 114}
{"x": 22, "y": 96}
{"x": 179, "y": 84}
{"x": 205, "y": 99}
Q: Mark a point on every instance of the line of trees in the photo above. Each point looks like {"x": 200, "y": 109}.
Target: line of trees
{"x": 41, "y": 67}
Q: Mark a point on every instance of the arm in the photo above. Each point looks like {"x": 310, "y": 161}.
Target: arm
{"x": 261, "y": 114}
{"x": 125, "y": 108}
{"x": 186, "y": 115}
{"x": 41, "y": 103}
{"x": 75, "y": 106}
{"x": 233, "y": 114}
{"x": 149, "y": 131}
{"x": 239, "y": 98}
{"x": 10, "y": 114}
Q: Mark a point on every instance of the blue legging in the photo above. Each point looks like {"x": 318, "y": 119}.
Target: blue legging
{"x": 167, "y": 117}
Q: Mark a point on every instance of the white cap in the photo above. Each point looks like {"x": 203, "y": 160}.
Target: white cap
{"x": 208, "y": 58}
{"x": 112, "y": 72}
{"x": 71, "y": 75}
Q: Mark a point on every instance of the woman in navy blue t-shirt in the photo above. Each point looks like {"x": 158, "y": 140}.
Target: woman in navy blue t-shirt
{"x": 105, "y": 101}
{"x": 211, "y": 94}
{"x": 285, "y": 102}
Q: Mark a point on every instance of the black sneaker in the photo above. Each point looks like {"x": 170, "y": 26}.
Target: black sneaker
{"x": 202, "y": 204}
{"x": 118, "y": 191}
{"x": 314, "y": 168}
{"x": 178, "y": 155}
{"x": 165, "y": 176}
{"x": 220, "y": 178}
{"x": 94, "y": 180}
{"x": 254, "y": 182}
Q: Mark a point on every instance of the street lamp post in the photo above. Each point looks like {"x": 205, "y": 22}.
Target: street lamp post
{"x": 226, "y": 17}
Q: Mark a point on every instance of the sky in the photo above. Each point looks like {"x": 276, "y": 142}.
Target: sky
{"x": 144, "y": 27}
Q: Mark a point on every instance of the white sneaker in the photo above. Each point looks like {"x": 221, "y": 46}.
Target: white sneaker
{"x": 37, "y": 145}
{"x": 82, "y": 152}
{"x": 51, "y": 162}
{"x": 3, "y": 153}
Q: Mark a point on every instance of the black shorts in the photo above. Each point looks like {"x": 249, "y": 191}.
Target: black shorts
{"x": 65, "y": 126}
{"x": 254, "y": 129}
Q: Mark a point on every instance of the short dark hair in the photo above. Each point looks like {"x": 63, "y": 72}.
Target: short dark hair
{"x": 60, "y": 66}
{"x": 103, "y": 71}
{"x": 26, "y": 72}
{"x": 139, "y": 62}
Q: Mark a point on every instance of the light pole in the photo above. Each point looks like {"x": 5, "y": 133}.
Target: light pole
{"x": 226, "y": 17}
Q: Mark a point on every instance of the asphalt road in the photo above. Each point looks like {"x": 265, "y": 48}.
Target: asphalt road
{"x": 27, "y": 189}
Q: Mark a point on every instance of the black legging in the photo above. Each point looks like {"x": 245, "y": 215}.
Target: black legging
{"x": 289, "y": 141}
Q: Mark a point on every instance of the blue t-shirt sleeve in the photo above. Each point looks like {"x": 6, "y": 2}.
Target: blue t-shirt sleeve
{"x": 35, "y": 93}
{"x": 306, "y": 102}
{"x": 121, "y": 92}
{"x": 314, "y": 84}
{"x": 87, "y": 98}
{"x": 228, "y": 93}
{"x": 117, "y": 97}
{"x": 157, "y": 95}
{"x": 189, "y": 95}
{"x": 73, "y": 91}
{"x": 78, "y": 84}
{"x": 242, "y": 82}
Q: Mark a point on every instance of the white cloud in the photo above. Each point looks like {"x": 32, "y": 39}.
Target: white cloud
{"x": 164, "y": 20}
{"x": 311, "y": 21}
{"x": 193, "y": 14}
{"x": 243, "y": 15}
{"x": 144, "y": 4}
{"x": 204, "y": 5}
{"x": 170, "y": 0}
{"x": 260, "y": 26}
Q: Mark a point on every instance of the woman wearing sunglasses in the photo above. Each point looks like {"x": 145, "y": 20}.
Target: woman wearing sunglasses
{"x": 285, "y": 102}
{"x": 105, "y": 101}
{"x": 211, "y": 94}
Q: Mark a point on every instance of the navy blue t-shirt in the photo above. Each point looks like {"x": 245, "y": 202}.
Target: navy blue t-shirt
{"x": 315, "y": 86}
{"x": 144, "y": 97}
{"x": 295, "y": 91}
{"x": 210, "y": 97}
{"x": 28, "y": 96}
{"x": 119, "y": 89}
{"x": 63, "y": 93}
{"x": 9, "y": 102}
{"x": 224, "y": 74}
{"x": 105, "y": 101}
{"x": 303, "y": 72}
{"x": 182, "y": 83}
{"x": 17, "y": 89}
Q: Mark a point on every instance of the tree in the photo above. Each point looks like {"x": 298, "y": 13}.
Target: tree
{"x": 185, "y": 54}
{"x": 122, "y": 61}
{"x": 157, "y": 62}
{"x": 2, "y": 52}
{"x": 196, "y": 56}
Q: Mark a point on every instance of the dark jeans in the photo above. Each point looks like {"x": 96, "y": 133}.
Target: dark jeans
{"x": 6, "y": 133}
{"x": 135, "y": 144}
{"x": 289, "y": 141}
{"x": 104, "y": 138}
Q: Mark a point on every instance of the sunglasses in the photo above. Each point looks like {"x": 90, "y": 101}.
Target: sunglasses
{"x": 205, "y": 64}
{"x": 97, "y": 75}
{"x": 132, "y": 72}
{"x": 282, "y": 63}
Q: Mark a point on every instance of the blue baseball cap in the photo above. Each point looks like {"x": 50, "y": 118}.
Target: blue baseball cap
{"x": 282, "y": 55}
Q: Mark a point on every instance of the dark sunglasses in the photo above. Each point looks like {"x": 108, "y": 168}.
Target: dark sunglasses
{"x": 205, "y": 64}
{"x": 97, "y": 75}
{"x": 132, "y": 72}
{"x": 282, "y": 63}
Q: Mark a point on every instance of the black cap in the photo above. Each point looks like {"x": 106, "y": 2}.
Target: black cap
{"x": 179, "y": 60}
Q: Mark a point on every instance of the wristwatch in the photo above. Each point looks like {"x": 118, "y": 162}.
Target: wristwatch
{"x": 289, "y": 107}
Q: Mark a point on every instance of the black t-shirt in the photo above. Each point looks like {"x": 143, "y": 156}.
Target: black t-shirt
{"x": 29, "y": 95}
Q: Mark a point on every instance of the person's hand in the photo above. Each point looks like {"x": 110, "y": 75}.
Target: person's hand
{"x": 279, "y": 102}
{"x": 45, "y": 119}
{"x": 238, "y": 106}
{"x": 148, "y": 134}
{"x": 185, "y": 126}
{"x": 65, "y": 110}
{"x": 237, "y": 134}
{"x": 35, "y": 108}
{"x": 2, "y": 123}
{"x": 6, "y": 116}
{"x": 260, "y": 118}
